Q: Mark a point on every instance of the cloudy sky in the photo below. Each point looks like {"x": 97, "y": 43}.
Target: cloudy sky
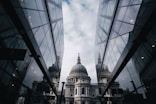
{"x": 79, "y": 18}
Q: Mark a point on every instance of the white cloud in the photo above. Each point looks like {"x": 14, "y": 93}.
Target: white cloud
{"x": 79, "y": 18}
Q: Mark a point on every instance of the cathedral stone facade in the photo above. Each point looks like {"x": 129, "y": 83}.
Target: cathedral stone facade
{"x": 80, "y": 90}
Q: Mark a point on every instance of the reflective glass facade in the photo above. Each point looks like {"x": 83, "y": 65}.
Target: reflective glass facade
{"x": 35, "y": 26}
{"x": 125, "y": 40}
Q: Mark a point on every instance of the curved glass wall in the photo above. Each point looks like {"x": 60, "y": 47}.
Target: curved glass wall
{"x": 44, "y": 27}
{"x": 124, "y": 21}
{"x": 105, "y": 15}
{"x": 48, "y": 38}
{"x": 137, "y": 77}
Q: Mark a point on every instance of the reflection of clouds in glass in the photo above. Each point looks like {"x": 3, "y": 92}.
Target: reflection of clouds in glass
{"x": 33, "y": 74}
{"x": 107, "y": 7}
{"x": 39, "y": 35}
{"x": 117, "y": 44}
{"x": 43, "y": 17}
{"x": 31, "y": 14}
{"x": 131, "y": 13}
{"x": 114, "y": 50}
{"x": 106, "y": 10}
{"x": 43, "y": 46}
{"x": 125, "y": 80}
{"x": 125, "y": 28}
{"x": 130, "y": 76}
{"x": 121, "y": 13}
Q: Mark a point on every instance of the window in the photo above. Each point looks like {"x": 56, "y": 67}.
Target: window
{"x": 76, "y": 91}
{"x": 71, "y": 102}
{"x": 83, "y": 91}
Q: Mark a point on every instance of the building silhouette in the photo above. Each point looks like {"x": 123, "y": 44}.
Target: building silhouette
{"x": 42, "y": 93}
{"x": 79, "y": 89}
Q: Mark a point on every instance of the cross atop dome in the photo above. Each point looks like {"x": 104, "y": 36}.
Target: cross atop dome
{"x": 78, "y": 60}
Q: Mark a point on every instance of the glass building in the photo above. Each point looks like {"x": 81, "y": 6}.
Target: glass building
{"x": 126, "y": 42}
{"x": 31, "y": 41}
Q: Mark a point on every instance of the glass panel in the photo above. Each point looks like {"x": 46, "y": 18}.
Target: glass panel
{"x": 125, "y": 80}
{"x": 124, "y": 2}
{"x": 113, "y": 35}
{"x": 117, "y": 26}
{"x": 120, "y": 44}
{"x": 43, "y": 46}
{"x": 135, "y": 2}
{"x": 33, "y": 74}
{"x": 40, "y": 4}
{"x": 43, "y": 17}
{"x": 131, "y": 14}
{"x": 31, "y": 16}
{"x": 28, "y": 4}
{"x": 46, "y": 27}
{"x": 121, "y": 13}
{"x": 107, "y": 24}
{"x": 39, "y": 36}
{"x": 125, "y": 28}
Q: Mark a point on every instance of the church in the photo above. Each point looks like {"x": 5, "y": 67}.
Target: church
{"x": 80, "y": 90}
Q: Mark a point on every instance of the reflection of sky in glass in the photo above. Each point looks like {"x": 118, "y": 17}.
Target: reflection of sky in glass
{"x": 43, "y": 34}
{"x": 123, "y": 24}
{"x": 33, "y": 74}
{"x": 49, "y": 40}
{"x": 57, "y": 26}
{"x": 106, "y": 9}
{"x": 129, "y": 74}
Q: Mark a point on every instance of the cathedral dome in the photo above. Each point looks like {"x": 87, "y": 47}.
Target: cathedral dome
{"x": 54, "y": 71}
{"x": 102, "y": 70}
{"x": 78, "y": 69}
